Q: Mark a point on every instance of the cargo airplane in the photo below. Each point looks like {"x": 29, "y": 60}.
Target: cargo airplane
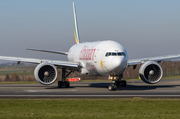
{"x": 100, "y": 58}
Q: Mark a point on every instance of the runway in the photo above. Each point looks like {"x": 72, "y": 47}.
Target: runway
{"x": 166, "y": 88}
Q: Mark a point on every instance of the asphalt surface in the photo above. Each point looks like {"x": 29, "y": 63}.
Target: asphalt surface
{"x": 166, "y": 88}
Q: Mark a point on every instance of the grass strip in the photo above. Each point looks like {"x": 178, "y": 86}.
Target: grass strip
{"x": 89, "y": 108}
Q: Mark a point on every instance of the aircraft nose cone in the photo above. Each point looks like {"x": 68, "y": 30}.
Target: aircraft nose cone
{"x": 116, "y": 62}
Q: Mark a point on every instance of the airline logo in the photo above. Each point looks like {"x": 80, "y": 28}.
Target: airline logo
{"x": 87, "y": 53}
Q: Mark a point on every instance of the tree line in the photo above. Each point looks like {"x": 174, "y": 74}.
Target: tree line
{"x": 170, "y": 68}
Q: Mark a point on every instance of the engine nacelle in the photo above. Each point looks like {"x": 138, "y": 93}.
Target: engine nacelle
{"x": 45, "y": 73}
{"x": 151, "y": 72}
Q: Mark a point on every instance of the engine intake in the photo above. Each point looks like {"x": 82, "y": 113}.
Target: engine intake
{"x": 151, "y": 72}
{"x": 45, "y": 73}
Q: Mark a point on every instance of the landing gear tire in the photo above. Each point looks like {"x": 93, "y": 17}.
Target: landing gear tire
{"x": 112, "y": 87}
{"x": 64, "y": 75}
{"x": 123, "y": 83}
{"x": 66, "y": 84}
{"x": 59, "y": 84}
{"x": 63, "y": 84}
{"x": 115, "y": 87}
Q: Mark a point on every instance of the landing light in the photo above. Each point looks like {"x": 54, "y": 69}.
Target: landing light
{"x": 113, "y": 77}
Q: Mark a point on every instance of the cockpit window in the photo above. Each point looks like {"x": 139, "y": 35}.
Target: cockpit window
{"x": 115, "y": 54}
{"x": 119, "y": 53}
{"x": 108, "y": 54}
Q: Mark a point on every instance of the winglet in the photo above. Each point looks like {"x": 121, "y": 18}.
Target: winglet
{"x": 76, "y": 34}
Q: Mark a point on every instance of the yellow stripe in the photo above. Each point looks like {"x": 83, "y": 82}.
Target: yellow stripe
{"x": 102, "y": 64}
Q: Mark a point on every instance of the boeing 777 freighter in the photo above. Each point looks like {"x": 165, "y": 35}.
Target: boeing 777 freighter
{"x": 100, "y": 58}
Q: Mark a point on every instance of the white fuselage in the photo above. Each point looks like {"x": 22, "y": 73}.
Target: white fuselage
{"x": 99, "y": 58}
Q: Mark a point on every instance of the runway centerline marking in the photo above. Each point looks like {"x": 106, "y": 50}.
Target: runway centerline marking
{"x": 30, "y": 91}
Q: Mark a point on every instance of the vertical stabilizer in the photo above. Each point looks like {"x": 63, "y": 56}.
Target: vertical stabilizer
{"x": 76, "y": 34}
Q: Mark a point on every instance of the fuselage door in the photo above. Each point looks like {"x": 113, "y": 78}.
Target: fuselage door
{"x": 96, "y": 56}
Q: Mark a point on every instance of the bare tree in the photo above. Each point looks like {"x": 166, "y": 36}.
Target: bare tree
{"x": 15, "y": 77}
{"x": 7, "y": 78}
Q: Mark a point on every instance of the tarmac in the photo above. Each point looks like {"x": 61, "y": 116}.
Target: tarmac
{"x": 166, "y": 88}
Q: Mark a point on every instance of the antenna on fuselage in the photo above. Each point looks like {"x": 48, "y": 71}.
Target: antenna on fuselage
{"x": 76, "y": 34}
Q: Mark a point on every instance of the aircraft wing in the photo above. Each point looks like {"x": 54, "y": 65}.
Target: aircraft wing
{"x": 61, "y": 64}
{"x": 49, "y": 51}
{"x": 156, "y": 59}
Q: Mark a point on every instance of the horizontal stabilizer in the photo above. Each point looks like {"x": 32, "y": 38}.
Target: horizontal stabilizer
{"x": 49, "y": 51}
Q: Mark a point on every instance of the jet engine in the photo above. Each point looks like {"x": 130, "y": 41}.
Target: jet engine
{"x": 45, "y": 73}
{"x": 151, "y": 72}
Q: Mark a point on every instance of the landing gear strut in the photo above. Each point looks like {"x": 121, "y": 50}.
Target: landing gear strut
{"x": 64, "y": 83}
{"x": 116, "y": 82}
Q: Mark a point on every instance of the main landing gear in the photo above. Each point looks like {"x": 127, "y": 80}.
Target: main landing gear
{"x": 116, "y": 81}
{"x": 64, "y": 83}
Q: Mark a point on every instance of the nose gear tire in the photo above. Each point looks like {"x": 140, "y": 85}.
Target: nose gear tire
{"x": 112, "y": 87}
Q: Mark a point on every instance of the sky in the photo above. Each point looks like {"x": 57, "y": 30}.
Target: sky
{"x": 146, "y": 28}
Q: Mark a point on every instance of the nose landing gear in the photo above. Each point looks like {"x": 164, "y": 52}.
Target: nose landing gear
{"x": 116, "y": 81}
{"x": 112, "y": 86}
